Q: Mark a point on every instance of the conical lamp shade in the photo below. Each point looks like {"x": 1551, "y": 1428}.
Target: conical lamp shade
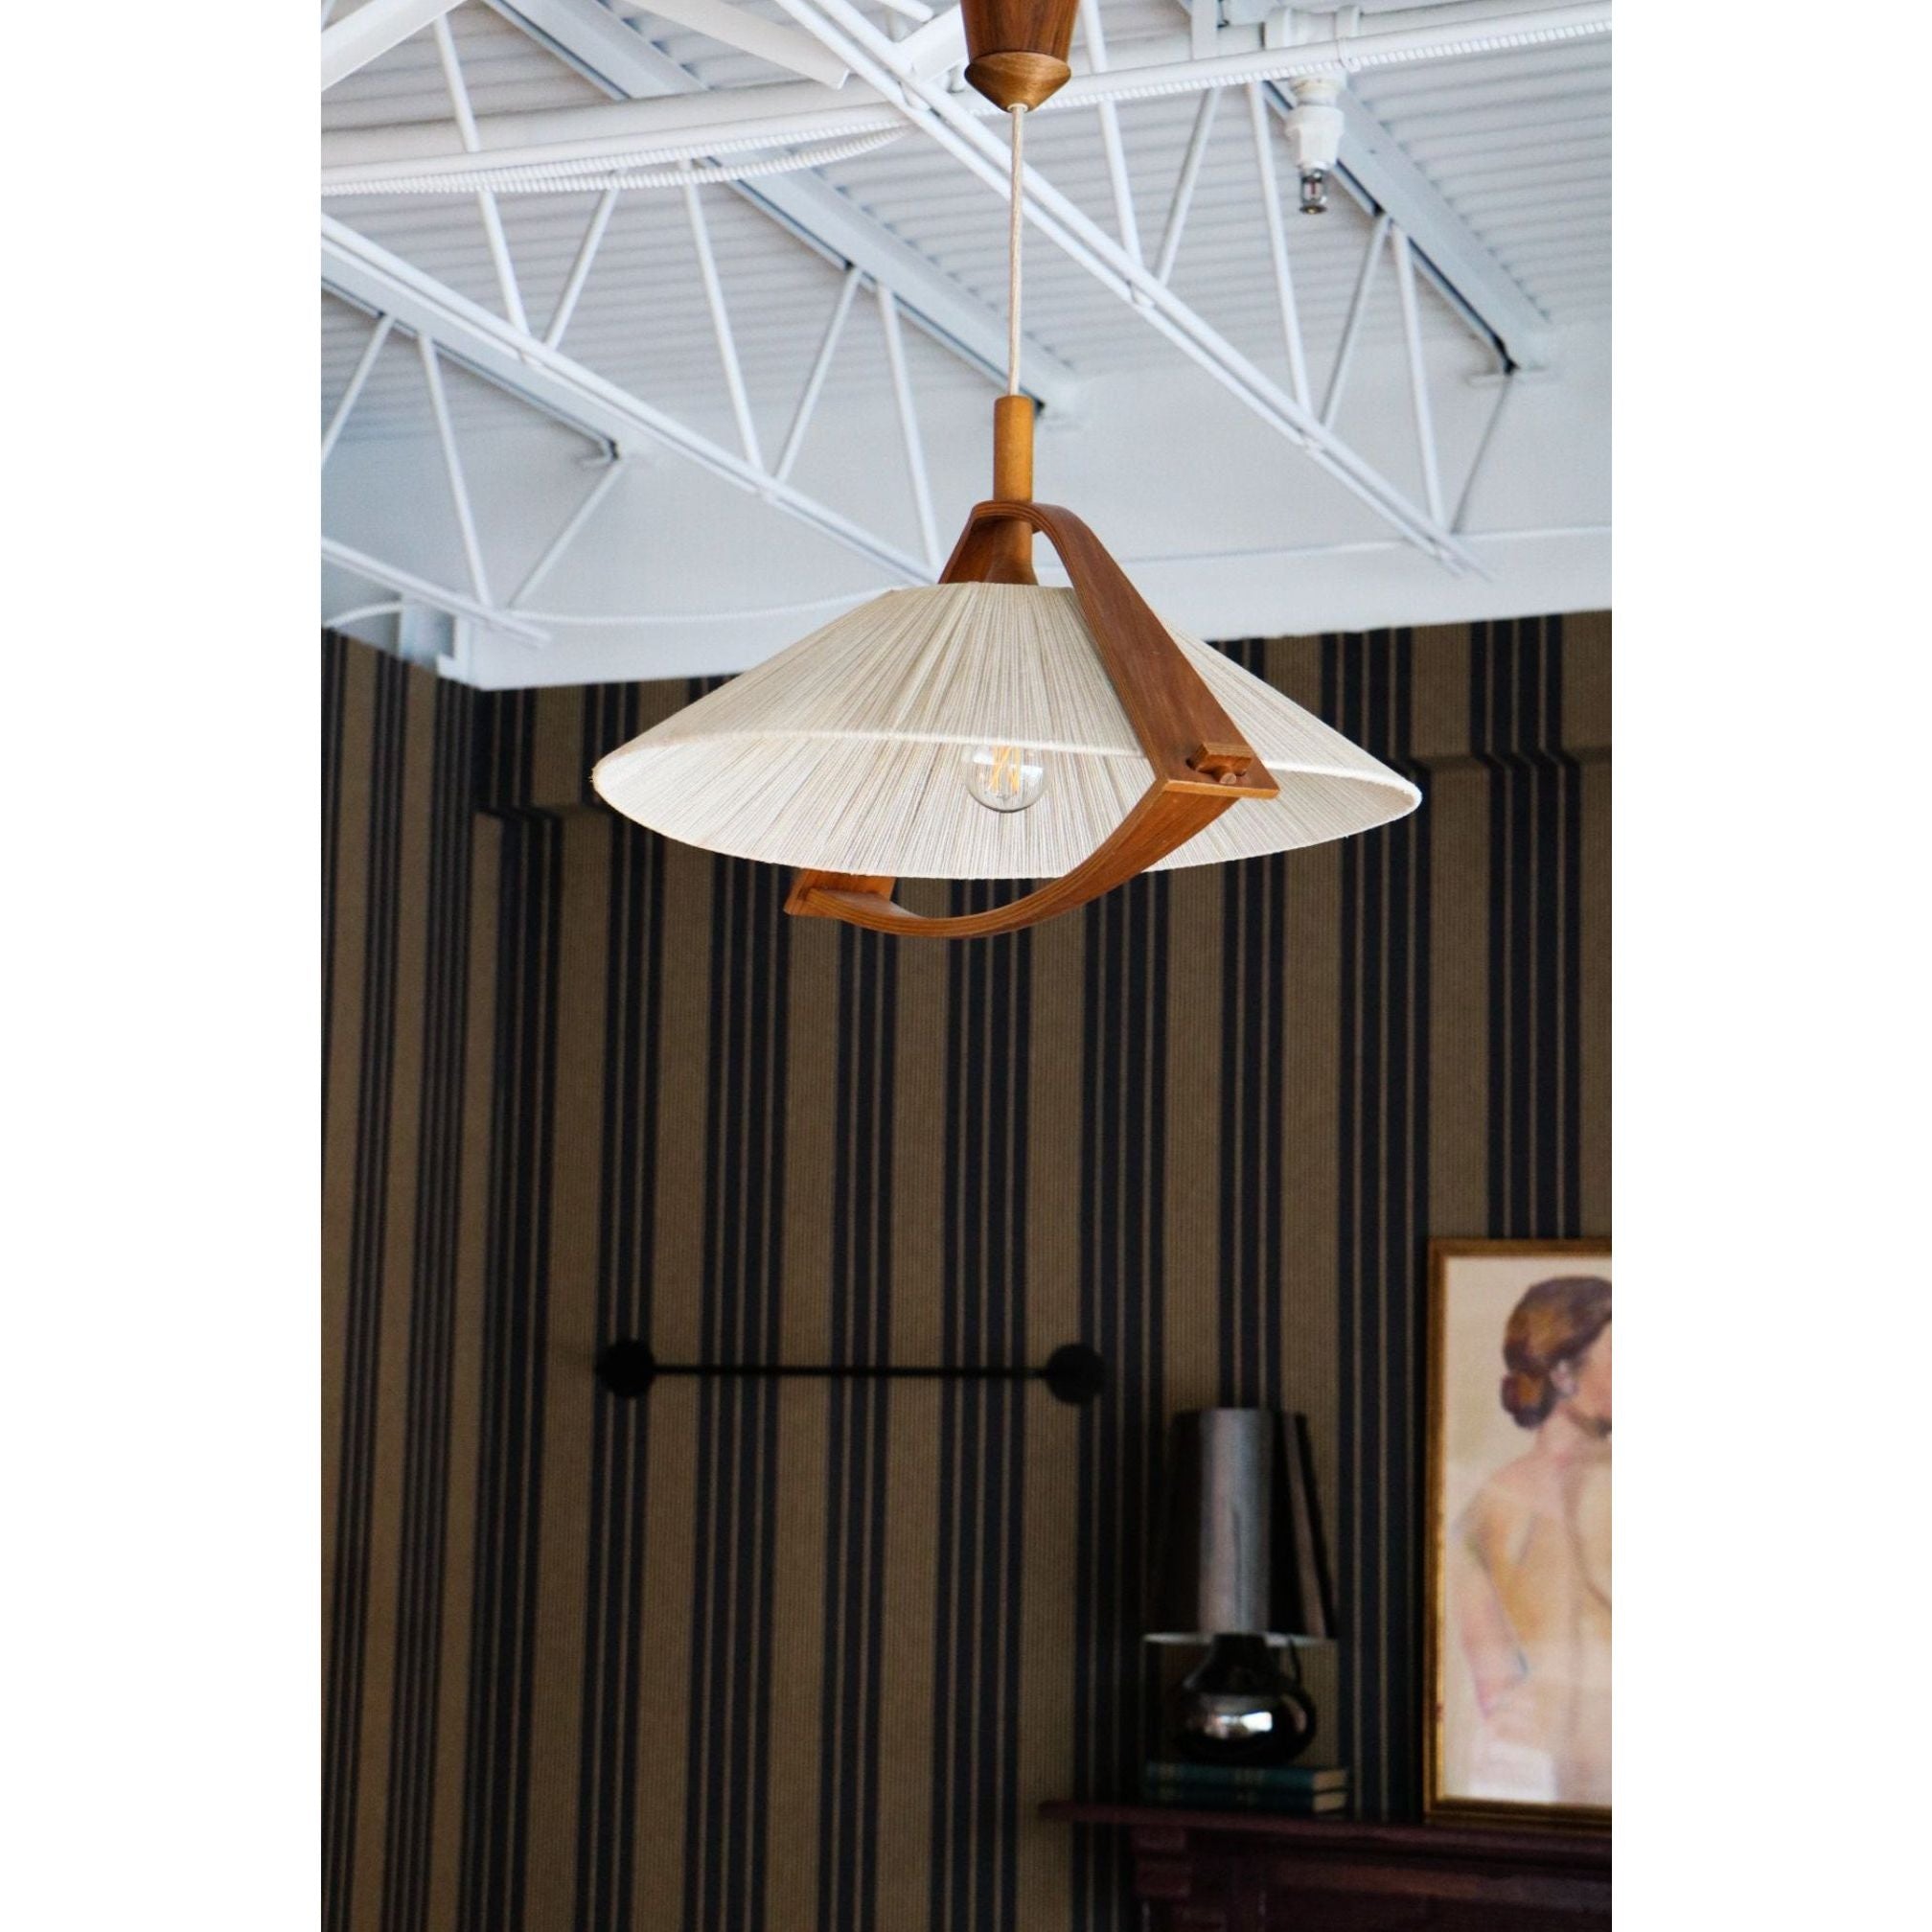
{"x": 849, "y": 751}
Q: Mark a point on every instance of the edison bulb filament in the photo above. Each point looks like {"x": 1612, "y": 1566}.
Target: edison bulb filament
{"x": 1005, "y": 777}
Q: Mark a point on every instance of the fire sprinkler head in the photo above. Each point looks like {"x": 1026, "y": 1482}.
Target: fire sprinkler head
{"x": 1315, "y": 132}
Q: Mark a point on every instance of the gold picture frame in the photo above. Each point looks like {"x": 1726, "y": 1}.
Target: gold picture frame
{"x": 1451, "y": 1791}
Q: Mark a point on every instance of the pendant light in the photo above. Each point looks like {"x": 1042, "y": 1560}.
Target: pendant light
{"x": 990, "y": 727}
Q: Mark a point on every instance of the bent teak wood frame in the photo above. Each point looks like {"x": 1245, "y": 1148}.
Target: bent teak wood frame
{"x": 1202, "y": 764}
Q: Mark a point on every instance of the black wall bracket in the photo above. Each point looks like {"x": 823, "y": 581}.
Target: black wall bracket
{"x": 1073, "y": 1373}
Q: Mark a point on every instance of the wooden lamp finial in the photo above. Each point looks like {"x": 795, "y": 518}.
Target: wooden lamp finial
{"x": 1018, "y": 48}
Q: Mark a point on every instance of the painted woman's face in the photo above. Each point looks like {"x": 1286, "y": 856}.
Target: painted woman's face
{"x": 1590, "y": 1389}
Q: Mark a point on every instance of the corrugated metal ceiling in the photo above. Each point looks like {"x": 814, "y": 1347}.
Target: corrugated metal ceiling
{"x": 1517, "y": 142}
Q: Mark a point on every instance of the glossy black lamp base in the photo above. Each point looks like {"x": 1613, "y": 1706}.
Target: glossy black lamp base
{"x": 1239, "y": 1705}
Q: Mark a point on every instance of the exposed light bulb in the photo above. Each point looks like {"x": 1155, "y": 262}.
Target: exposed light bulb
{"x": 1005, "y": 777}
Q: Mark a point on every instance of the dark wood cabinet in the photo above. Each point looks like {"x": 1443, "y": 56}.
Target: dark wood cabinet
{"x": 1243, "y": 1872}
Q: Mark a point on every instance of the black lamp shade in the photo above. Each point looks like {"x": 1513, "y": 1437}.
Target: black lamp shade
{"x": 1241, "y": 1551}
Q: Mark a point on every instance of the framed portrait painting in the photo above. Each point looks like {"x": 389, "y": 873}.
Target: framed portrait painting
{"x": 1517, "y": 1630}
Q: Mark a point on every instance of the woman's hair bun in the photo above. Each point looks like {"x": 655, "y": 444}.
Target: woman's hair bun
{"x": 1528, "y": 1397}
{"x": 1554, "y": 1322}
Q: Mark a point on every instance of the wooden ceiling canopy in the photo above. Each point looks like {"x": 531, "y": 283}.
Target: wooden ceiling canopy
{"x": 1018, "y": 49}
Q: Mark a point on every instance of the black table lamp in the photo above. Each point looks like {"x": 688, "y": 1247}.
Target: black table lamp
{"x": 1242, "y": 1572}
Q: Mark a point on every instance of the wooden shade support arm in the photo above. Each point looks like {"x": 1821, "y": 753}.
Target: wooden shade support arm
{"x": 1157, "y": 824}
{"x": 1201, "y": 763}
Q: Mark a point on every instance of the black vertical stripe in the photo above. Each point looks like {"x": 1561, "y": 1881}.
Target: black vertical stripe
{"x": 1096, "y": 1888}
{"x": 703, "y": 1815}
{"x": 1485, "y": 735}
{"x": 1381, "y": 1233}
{"x": 726, "y": 1871}
{"x": 1409, "y": 845}
{"x": 982, "y": 1428}
{"x": 1253, "y": 1050}
{"x": 1535, "y": 931}
{"x": 1124, "y": 1109}
{"x": 506, "y": 749}
{"x": 509, "y": 1481}
{"x": 1338, "y": 705}
{"x": 1347, "y": 1261}
{"x": 855, "y": 1472}
{"x": 1568, "y": 1127}
{"x": 607, "y": 1768}
{"x": 438, "y": 1206}
{"x": 610, "y": 718}
{"x": 334, "y": 672}
{"x": 1544, "y": 967}
{"x": 349, "y": 1604}
{"x": 1525, "y": 1061}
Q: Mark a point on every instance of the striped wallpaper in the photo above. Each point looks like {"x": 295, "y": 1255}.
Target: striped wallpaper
{"x": 805, "y": 1657}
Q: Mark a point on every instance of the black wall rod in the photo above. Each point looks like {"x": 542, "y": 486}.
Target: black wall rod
{"x": 1073, "y": 1373}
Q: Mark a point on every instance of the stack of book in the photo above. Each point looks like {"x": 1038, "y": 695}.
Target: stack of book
{"x": 1298, "y": 1790}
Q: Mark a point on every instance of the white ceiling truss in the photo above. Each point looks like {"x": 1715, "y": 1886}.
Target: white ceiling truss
{"x": 370, "y": 31}
{"x": 859, "y": 78}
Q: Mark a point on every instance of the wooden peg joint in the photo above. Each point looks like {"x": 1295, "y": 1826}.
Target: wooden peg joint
{"x": 1225, "y": 763}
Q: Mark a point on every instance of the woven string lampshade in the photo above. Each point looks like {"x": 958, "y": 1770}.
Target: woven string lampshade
{"x": 991, "y": 726}
{"x": 853, "y": 751}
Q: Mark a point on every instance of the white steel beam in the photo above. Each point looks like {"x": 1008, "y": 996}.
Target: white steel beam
{"x": 1278, "y": 242}
{"x": 423, "y": 590}
{"x": 1094, "y": 37}
{"x": 589, "y": 38}
{"x": 486, "y": 201}
{"x": 580, "y": 269}
{"x": 909, "y": 427}
{"x": 1419, "y": 377}
{"x": 359, "y": 375}
{"x": 1351, "y": 329}
{"x": 371, "y": 275}
{"x": 371, "y": 30}
{"x": 641, "y": 128}
{"x": 721, "y": 325}
{"x": 573, "y": 529}
{"x": 822, "y": 363}
{"x": 1184, "y": 186}
{"x": 792, "y": 113}
{"x": 740, "y": 28}
{"x": 452, "y": 467}
{"x": 958, "y": 132}
{"x": 1323, "y": 44}
{"x": 1509, "y": 380}
{"x": 618, "y": 57}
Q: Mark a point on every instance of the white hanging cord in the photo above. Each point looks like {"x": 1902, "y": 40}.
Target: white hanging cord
{"x": 1016, "y": 228}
